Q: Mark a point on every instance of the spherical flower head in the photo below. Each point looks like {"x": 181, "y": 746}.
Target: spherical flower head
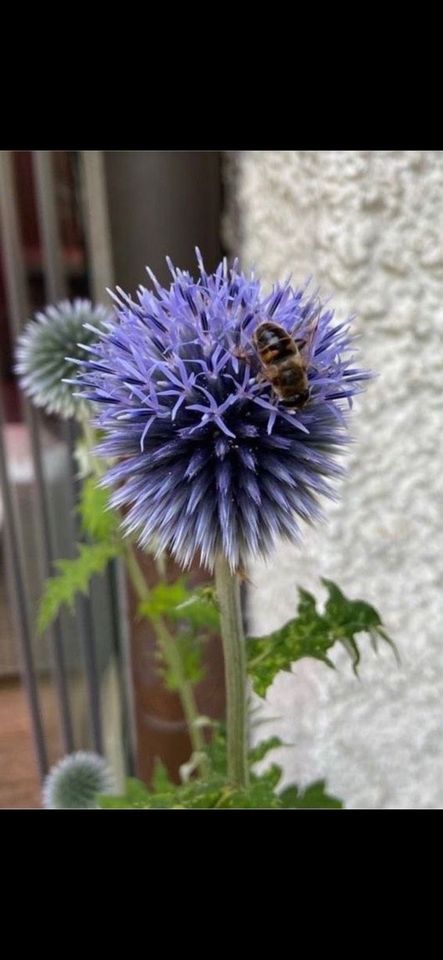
{"x": 209, "y": 457}
{"x": 76, "y": 781}
{"x": 48, "y": 353}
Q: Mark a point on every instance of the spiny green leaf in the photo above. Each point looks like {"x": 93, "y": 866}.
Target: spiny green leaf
{"x": 189, "y": 665}
{"x": 312, "y": 634}
{"x": 216, "y": 751}
{"x": 313, "y": 797}
{"x": 195, "y": 794}
{"x": 191, "y": 654}
{"x": 163, "y": 598}
{"x": 98, "y": 520}
{"x": 161, "y": 782}
{"x": 73, "y": 577}
{"x": 271, "y": 776}
{"x": 199, "y": 609}
{"x": 262, "y": 749}
{"x": 258, "y": 796}
{"x": 176, "y": 601}
{"x": 137, "y": 795}
{"x": 349, "y": 617}
{"x": 195, "y": 615}
{"x": 200, "y": 794}
{"x": 305, "y": 636}
{"x": 216, "y": 793}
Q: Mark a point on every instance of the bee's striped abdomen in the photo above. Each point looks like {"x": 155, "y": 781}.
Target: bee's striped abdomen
{"x": 283, "y": 363}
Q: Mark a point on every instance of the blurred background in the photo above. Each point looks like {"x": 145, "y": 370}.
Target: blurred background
{"x": 369, "y": 227}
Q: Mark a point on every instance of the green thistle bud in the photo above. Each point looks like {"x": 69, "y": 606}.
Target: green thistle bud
{"x": 48, "y": 351}
{"x": 76, "y": 781}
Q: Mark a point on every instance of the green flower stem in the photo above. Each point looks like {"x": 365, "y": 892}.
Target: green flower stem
{"x": 228, "y": 595}
{"x": 172, "y": 656}
{"x": 173, "y": 659}
{"x": 135, "y": 573}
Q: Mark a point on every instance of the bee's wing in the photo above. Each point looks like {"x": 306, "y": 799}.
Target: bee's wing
{"x": 310, "y": 336}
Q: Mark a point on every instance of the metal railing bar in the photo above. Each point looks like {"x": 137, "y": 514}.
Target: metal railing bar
{"x": 55, "y": 281}
{"x": 16, "y": 292}
{"x": 55, "y": 289}
{"x": 23, "y": 618}
{"x": 101, "y": 265}
{"x": 84, "y": 618}
{"x": 122, "y": 646}
{"x": 56, "y": 631}
{"x": 98, "y": 229}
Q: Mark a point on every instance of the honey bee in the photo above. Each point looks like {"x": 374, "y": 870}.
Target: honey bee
{"x": 283, "y": 363}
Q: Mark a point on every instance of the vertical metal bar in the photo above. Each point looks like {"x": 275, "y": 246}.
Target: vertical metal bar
{"x": 22, "y": 606}
{"x": 98, "y": 230}
{"x": 122, "y": 646}
{"x": 16, "y": 291}
{"x": 95, "y": 211}
{"x": 99, "y": 242}
{"x": 55, "y": 286}
{"x": 55, "y": 283}
{"x": 12, "y": 254}
{"x": 84, "y": 618}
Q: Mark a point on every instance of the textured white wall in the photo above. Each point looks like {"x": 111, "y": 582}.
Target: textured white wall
{"x": 369, "y": 226}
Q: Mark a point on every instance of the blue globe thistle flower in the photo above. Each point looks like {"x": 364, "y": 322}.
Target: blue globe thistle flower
{"x": 208, "y": 457}
{"x": 75, "y": 782}
{"x": 42, "y": 362}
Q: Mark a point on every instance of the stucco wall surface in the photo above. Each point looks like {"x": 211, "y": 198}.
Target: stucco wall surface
{"x": 369, "y": 227}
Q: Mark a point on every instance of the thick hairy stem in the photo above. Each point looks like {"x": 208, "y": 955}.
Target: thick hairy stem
{"x": 228, "y": 595}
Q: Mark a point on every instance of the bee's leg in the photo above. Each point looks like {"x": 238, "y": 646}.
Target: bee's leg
{"x": 300, "y": 344}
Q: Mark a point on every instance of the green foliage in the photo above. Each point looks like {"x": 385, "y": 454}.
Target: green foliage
{"x": 99, "y": 523}
{"x": 188, "y": 664}
{"x": 98, "y": 520}
{"x": 215, "y": 793}
{"x": 161, "y": 781}
{"x": 163, "y": 599}
{"x": 260, "y": 795}
{"x": 313, "y": 797}
{"x": 196, "y": 793}
{"x": 137, "y": 795}
{"x": 262, "y": 749}
{"x": 195, "y": 616}
{"x": 175, "y": 600}
{"x": 199, "y": 609}
{"x": 312, "y": 634}
{"x": 73, "y": 577}
{"x": 216, "y": 751}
